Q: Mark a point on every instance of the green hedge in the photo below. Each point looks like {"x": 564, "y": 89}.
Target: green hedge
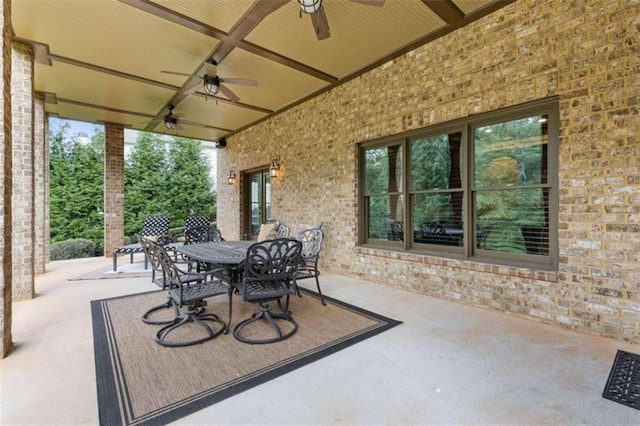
{"x": 72, "y": 249}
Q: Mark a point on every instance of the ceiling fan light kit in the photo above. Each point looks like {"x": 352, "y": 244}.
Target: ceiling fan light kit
{"x": 211, "y": 84}
{"x": 310, "y": 6}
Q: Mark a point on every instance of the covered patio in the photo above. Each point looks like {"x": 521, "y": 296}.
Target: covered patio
{"x": 446, "y": 364}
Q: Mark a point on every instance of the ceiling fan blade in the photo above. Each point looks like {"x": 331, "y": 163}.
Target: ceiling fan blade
{"x": 192, "y": 87}
{"x": 240, "y": 81}
{"x": 378, "y": 3}
{"x": 228, "y": 93}
{"x": 320, "y": 23}
{"x": 155, "y": 120}
{"x": 178, "y": 73}
{"x": 210, "y": 69}
{"x": 192, "y": 123}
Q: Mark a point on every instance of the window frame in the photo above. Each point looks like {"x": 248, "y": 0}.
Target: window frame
{"x": 466, "y": 127}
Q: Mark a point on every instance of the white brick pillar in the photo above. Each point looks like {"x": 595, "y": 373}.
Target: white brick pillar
{"x": 5, "y": 179}
{"x": 23, "y": 171}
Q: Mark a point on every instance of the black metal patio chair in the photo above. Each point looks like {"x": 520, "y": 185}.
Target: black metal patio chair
{"x": 269, "y": 275}
{"x": 155, "y": 228}
{"x": 187, "y": 293}
{"x": 311, "y": 240}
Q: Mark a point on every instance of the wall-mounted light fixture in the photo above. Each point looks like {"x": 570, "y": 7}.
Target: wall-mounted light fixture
{"x": 274, "y": 169}
{"x": 231, "y": 179}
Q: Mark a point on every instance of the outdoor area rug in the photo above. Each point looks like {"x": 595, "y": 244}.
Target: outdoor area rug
{"x": 140, "y": 382}
{"x": 623, "y": 385}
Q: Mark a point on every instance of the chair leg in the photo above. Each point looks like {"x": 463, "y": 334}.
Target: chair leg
{"x": 265, "y": 314}
{"x": 166, "y": 305}
{"x": 320, "y": 292}
{"x": 191, "y": 315}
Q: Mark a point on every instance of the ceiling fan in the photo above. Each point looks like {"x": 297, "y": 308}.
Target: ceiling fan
{"x": 212, "y": 83}
{"x": 319, "y": 17}
{"x": 173, "y": 121}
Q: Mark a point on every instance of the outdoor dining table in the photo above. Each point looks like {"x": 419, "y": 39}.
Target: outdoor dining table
{"x": 228, "y": 254}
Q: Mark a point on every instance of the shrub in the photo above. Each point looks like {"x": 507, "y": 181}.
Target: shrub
{"x": 72, "y": 249}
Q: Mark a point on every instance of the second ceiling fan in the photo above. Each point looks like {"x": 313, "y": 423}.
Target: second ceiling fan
{"x": 212, "y": 83}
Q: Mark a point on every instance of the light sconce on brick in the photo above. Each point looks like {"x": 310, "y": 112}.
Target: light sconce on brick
{"x": 231, "y": 179}
{"x": 274, "y": 169}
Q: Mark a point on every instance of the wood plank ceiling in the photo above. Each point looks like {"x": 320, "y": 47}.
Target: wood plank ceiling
{"x": 102, "y": 60}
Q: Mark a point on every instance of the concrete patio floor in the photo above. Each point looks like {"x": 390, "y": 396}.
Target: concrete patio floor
{"x": 446, "y": 364}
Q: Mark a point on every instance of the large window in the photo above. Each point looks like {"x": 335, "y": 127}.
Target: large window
{"x": 482, "y": 188}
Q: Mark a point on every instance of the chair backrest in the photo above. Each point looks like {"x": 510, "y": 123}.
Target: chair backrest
{"x": 272, "y": 261}
{"x": 281, "y": 231}
{"x": 311, "y": 240}
{"x": 155, "y": 226}
{"x": 195, "y": 221}
{"x": 196, "y": 234}
{"x": 149, "y": 247}
{"x": 215, "y": 235}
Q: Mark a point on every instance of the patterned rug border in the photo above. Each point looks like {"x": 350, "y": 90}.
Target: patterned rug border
{"x": 109, "y": 405}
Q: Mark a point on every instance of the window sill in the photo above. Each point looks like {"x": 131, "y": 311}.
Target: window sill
{"x": 537, "y": 272}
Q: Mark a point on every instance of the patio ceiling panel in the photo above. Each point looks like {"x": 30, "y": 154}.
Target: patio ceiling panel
{"x": 386, "y": 28}
{"x": 106, "y": 56}
{"x": 207, "y": 110}
{"x": 278, "y": 85}
{"x": 100, "y": 90}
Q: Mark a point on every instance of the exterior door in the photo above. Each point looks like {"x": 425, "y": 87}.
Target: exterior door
{"x": 259, "y": 202}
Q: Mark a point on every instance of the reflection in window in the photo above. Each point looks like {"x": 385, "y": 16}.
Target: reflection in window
{"x": 510, "y": 175}
{"x": 482, "y": 189}
{"x": 436, "y": 190}
{"x": 383, "y": 188}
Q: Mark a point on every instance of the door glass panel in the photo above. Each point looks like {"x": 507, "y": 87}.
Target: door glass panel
{"x": 259, "y": 201}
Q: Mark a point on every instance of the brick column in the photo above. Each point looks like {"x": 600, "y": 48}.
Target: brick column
{"x": 23, "y": 176}
{"x": 5, "y": 180}
{"x": 113, "y": 187}
{"x": 41, "y": 185}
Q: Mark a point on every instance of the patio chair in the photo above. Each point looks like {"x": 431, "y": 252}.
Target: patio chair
{"x": 187, "y": 292}
{"x": 280, "y": 231}
{"x": 149, "y": 250}
{"x": 155, "y": 228}
{"x": 311, "y": 240}
{"x": 269, "y": 275}
{"x": 194, "y": 221}
{"x": 215, "y": 235}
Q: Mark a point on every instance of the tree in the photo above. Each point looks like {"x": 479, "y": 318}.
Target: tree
{"x": 145, "y": 181}
{"x": 190, "y": 189}
{"x": 76, "y": 187}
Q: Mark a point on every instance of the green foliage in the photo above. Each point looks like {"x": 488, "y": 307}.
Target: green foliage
{"x": 166, "y": 178}
{"x": 189, "y": 184}
{"x": 76, "y": 187}
{"x": 162, "y": 177}
{"x": 73, "y": 249}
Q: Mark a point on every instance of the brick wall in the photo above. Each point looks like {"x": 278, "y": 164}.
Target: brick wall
{"x": 113, "y": 187}
{"x": 586, "y": 53}
{"x": 23, "y": 172}
{"x": 5, "y": 179}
